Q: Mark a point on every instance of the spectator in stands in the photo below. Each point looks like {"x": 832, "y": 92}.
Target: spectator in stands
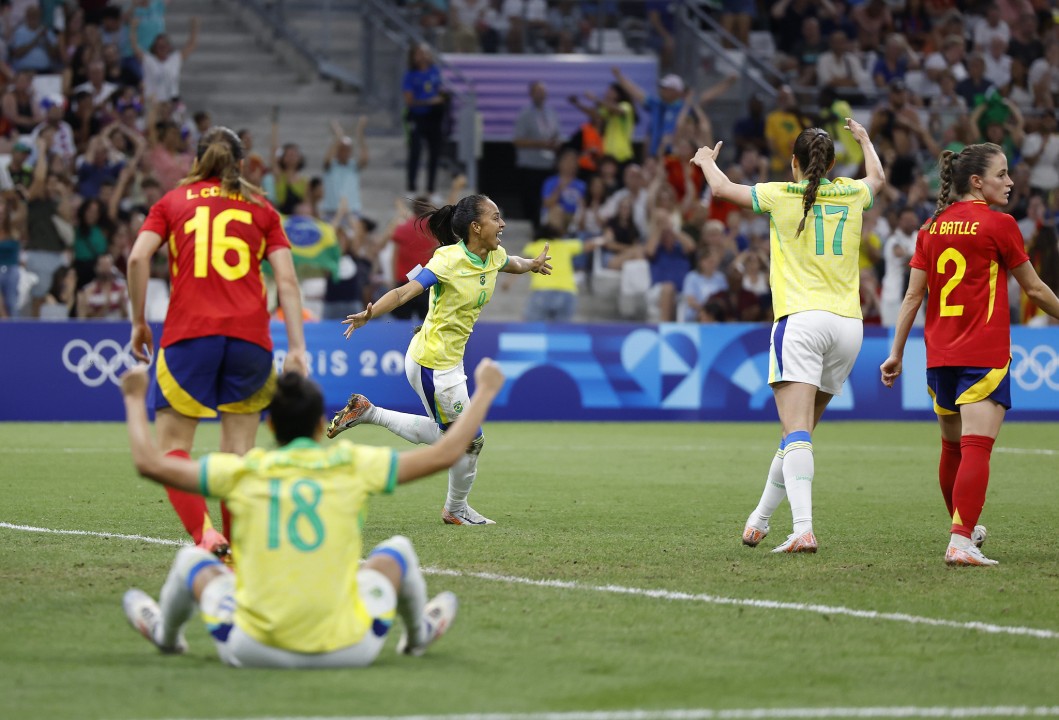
{"x": 146, "y": 21}
{"x": 897, "y": 252}
{"x": 619, "y": 118}
{"x": 899, "y": 133}
{"x": 19, "y": 171}
{"x": 1044, "y": 77}
{"x": 59, "y": 297}
{"x": 1040, "y": 150}
{"x": 342, "y": 170}
{"x": 62, "y": 143}
{"x": 12, "y": 217}
{"x": 976, "y": 87}
{"x": 840, "y": 69}
{"x": 989, "y": 28}
{"x": 33, "y": 46}
{"x": 425, "y": 108}
{"x": 162, "y": 66}
{"x": 702, "y": 283}
{"x": 622, "y": 240}
{"x": 345, "y": 293}
{"x": 833, "y": 113}
{"x": 91, "y": 239}
{"x": 167, "y": 152}
{"x": 670, "y": 251}
{"x": 894, "y": 62}
{"x": 1018, "y": 89}
{"x": 735, "y": 303}
{"x": 563, "y": 190}
{"x": 737, "y": 17}
{"x": 662, "y": 109}
{"x": 788, "y": 17}
{"x": 105, "y": 297}
{"x": 537, "y": 137}
{"x": 753, "y": 265}
{"x": 873, "y": 21}
{"x": 45, "y": 244}
{"x": 998, "y": 63}
{"x": 661, "y": 23}
{"x": 1044, "y": 254}
{"x": 589, "y": 222}
{"x": 750, "y": 130}
{"x": 22, "y": 112}
{"x": 635, "y": 191}
{"x": 946, "y": 106}
{"x": 806, "y": 53}
{"x": 97, "y": 87}
{"x": 1025, "y": 44}
{"x": 114, "y": 32}
{"x": 782, "y": 127}
{"x": 553, "y": 298}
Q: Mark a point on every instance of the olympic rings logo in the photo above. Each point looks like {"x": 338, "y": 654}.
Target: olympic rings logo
{"x": 1035, "y": 368}
{"x": 95, "y": 365}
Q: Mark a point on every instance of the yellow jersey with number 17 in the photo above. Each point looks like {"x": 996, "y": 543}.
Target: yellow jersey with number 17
{"x": 296, "y": 544}
{"x": 819, "y": 269}
{"x": 462, "y": 284}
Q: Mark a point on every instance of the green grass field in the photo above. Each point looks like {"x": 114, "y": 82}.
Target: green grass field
{"x": 556, "y": 613}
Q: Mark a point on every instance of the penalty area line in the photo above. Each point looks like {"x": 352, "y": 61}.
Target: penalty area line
{"x": 670, "y": 595}
{"x": 728, "y": 714}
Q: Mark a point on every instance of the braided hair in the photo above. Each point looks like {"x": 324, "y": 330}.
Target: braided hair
{"x": 450, "y": 224}
{"x": 956, "y": 169}
{"x": 815, "y": 151}
{"x": 218, "y": 155}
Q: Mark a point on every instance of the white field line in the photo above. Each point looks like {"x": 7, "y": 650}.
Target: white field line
{"x": 730, "y": 714}
{"x": 670, "y": 595}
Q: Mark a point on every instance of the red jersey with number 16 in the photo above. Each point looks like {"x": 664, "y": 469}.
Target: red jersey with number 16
{"x": 967, "y": 252}
{"x": 216, "y": 244}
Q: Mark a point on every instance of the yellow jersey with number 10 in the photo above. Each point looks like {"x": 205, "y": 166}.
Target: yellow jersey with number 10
{"x": 819, "y": 269}
{"x": 465, "y": 284}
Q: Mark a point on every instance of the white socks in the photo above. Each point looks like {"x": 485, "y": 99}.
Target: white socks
{"x": 461, "y": 478}
{"x": 416, "y": 429}
{"x": 176, "y": 601}
{"x": 798, "y": 471}
{"x": 412, "y": 595}
{"x": 772, "y": 495}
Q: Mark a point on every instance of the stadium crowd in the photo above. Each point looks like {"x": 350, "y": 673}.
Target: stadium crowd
{"x": 96, "y": 132}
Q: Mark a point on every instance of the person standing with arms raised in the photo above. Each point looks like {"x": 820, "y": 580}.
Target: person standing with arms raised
{"x": 815, "y": 280}
{"x": 215, "y": 354}
{"x": 961, "y": 262}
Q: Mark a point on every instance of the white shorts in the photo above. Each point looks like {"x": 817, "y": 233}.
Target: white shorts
{"x": 442, "y": 392}
{"x": 238, "y": 649}
{"x": 815, "y": 347}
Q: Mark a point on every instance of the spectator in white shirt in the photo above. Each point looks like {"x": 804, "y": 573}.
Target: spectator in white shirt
{"x": 162, "y": 65}
{"x": 897, "y": 251}
{"x": 990, "y": 27}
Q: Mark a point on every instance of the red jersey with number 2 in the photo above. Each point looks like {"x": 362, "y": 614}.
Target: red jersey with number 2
{"x": 216, "y": 244}
{"x": 967, "y": 252}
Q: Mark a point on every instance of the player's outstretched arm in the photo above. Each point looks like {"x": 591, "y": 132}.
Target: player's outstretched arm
{"x": 414, "y": 464}
{"x": 917, "y": 289}
{"x": 393, "y": 299}
{"x": 875, "y": 176}
{"x": 180, "y": 473}
{"x": 518, "y": 265}
{"x": 722, "y": 187}
{"x": 1037, "y": 291}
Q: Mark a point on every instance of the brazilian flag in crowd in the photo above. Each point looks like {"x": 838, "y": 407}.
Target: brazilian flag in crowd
{"x": 313, "y": 244}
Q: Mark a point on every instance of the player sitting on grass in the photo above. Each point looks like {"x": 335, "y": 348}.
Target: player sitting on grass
{"x": 302, "y": 598}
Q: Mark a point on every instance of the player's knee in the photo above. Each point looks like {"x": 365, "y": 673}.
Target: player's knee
{"x": 399, "y": 549}
{"x": 475, "y": 448}
{"x": 191, "y": 560}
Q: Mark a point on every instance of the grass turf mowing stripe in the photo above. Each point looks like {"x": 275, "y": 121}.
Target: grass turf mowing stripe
{"x": 651, "y": 593}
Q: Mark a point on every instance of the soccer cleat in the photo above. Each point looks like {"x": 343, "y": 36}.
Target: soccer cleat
{"x": 752, "y": 534}
{"x": 350, "y": 416}
{"x": 145, "y": 616}
{"x": 978, "y": 536}
{"x": 806, "y": 542}
{"x": 967, "y": 557}
{"x": 437, "y": 618}
{"x": 466, "y": 515}
{"x": 213, "y": 542}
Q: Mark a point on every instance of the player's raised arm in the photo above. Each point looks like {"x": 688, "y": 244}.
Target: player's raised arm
{"x": 722, "y": 187}
{"x": 414, "y": 464}
{"x": 178, "y": 472}
{"x": 395, "y": 298}
{"x": 875, "y": 176}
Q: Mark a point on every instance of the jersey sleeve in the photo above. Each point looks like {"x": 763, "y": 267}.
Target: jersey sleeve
{"x": 157, "y": 219}
{"x": 919, "y": 257}
{"x": 441, "y": 268}
{"x": 276, "y": 236}
{"x": 219, "y": 473}
{"x": 1008, "y": 240}
{"x": 764, "y": 195}
{"x": 499, "y": 257}
{"x": 376, "y": 467}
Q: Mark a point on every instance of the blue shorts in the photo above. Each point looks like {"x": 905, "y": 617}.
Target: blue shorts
{"x": 202, "y": 376}
{"x": 951, "y": 387}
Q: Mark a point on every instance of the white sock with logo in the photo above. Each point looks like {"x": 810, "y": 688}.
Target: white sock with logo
{"x": 798, "y": 471}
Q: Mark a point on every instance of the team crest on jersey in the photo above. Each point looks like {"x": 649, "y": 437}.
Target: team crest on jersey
{"x": 458, "y": 407}
{"x": 481, "y": 279}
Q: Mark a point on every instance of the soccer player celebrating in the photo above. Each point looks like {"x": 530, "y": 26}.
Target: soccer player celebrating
{"x": 462, "y": 276}
{"x": 962, "y": 259}
{"x": 299, "y": 599}
{"x": 216, "y": 352}
{"x": 815, "y": 281}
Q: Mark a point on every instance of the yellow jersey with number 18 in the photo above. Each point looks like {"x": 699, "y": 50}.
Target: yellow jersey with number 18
{"x": 296, "y": 544}
{"x": 464, "y": 285}
{"x": 820, "y": 268}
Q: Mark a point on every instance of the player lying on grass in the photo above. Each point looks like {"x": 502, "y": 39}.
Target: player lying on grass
{"x": 302, "y": 598}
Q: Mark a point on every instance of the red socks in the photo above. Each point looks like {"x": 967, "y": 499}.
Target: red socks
{"x": 191, "y": 509}
{"x": 972, "y": 479}
{"x": 947, "y": 469}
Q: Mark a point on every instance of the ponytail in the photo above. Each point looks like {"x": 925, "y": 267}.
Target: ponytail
{"x": 218, "y": 155}
{"x": 948, "y": 157}
{"x": 450, "y": 224}
{"x": 815, "y": 151}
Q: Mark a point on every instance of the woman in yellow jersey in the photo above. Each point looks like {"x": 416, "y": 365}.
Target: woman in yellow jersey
{"x": 302, "y": 597}
{"x": 815, "y": 278}
{"x": 461, "y": 277}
